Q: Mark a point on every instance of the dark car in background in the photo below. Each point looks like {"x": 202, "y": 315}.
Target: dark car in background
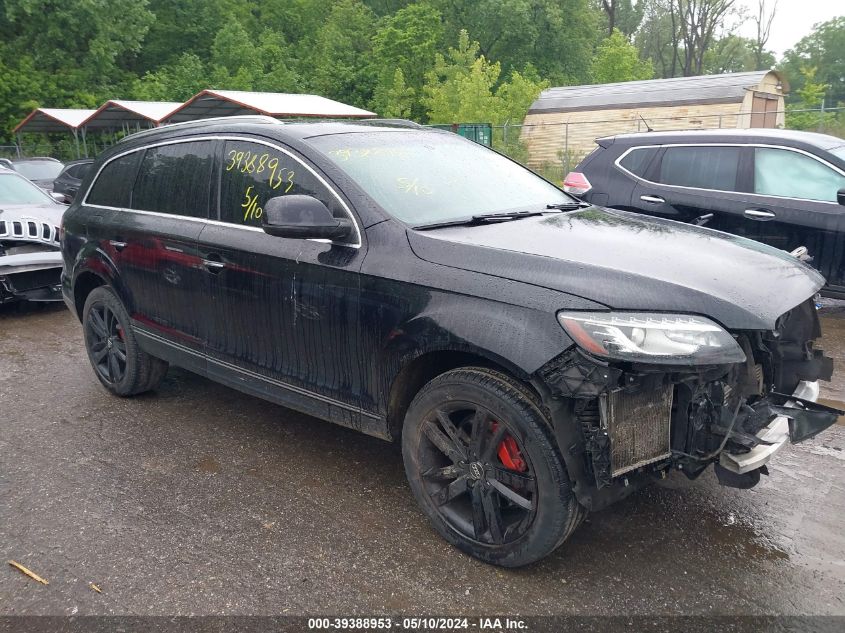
{"x": 30, "y": 261}
{"x": 68, "y": 181}
{"x": 533, "y": 358}
{"x": 42, "y": 170}
{"x": 779, "y": 187}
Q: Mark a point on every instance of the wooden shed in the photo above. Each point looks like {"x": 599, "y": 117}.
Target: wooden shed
{"x": 563, "y": 122}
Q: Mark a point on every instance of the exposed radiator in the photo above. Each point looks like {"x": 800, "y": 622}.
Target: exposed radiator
{"x": 638, "y": 425}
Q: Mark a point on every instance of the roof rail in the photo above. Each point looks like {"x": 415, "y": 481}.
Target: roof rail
{"x": 391, "y": 122}
{"x": 257, "y": 118}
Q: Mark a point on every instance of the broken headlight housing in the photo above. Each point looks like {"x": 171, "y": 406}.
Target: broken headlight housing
{"x": 665, "y": 339}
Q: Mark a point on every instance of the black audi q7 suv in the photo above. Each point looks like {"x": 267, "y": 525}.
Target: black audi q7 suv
{"x": 781, "y": 187}
{"x": 537, "y": 357}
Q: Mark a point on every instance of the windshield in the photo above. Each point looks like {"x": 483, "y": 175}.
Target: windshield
{"x": 39, "y": 169}
{"x": 423, "y": 177}
{"x": 16, "y": 190}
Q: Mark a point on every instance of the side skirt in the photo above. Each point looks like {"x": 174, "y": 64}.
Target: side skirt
{"x": 266, "y": 388}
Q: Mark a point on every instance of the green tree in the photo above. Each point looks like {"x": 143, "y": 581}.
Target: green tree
{"x": 735, "y": 54}
{"x": 180, "y": 26}
{"x": 176, "y": 81}
{"x": 678, "y": 35}
{"x": 557, "y": 37}
{"x": 824, "y": 50}
{"x": 66, "y": 53}
{"x": 624, "y": 15}
{"x": 618, "y": 60}
{"x": 82, "y": 42}
{"x": 463, "y": 87}
{"x": 341, "y": 59}
{"x": 406, "y": 41}
{"x": 397, "y": 100}
{"x": 809, "y": 97}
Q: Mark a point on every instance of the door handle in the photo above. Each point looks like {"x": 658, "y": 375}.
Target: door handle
{"x": 213, "y": 265}
{"x": 117, "y": 244}
{"x": 654, "y": 199}
{"x": 759, "y": 214}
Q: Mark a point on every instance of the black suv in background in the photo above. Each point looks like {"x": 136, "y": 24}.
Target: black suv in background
{"x": 534, "y": 360}
{"x": 68, "y": 181}
{"x": 783, "y": 188}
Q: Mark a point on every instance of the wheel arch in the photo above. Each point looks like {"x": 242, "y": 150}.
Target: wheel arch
{"x": 84, "y": 284}
{"x": 94, "y": 268}
{"x": 420, "y": 369}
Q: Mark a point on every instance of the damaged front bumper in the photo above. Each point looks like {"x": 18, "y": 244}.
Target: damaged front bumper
{"x": 30, "y": 259}
{"x": 620, "y": 424}
{"x": 34, "y": 276}
{"x": 797, "y": 419}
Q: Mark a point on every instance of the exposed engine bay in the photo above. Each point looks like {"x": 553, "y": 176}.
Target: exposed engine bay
{"x": 30, "y": 260}
{"x": 633, "y": 421}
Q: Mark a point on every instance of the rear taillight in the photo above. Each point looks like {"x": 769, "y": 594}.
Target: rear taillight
{"x": 576, "y": 183}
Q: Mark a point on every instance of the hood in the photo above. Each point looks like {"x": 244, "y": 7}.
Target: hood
{"x": 632, "y": 262}
{"x": 48, "y": 212}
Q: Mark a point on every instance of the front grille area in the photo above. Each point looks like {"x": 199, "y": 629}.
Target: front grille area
{"x": 27, "y": 229}
{"x": 638, "y": 425}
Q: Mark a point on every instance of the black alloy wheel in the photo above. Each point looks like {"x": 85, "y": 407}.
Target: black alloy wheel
{"x": 483, "y": 464}
{"x": 106, "y": 344}
{"x": 462, "y": 465}
{"x": 118, "y": 361}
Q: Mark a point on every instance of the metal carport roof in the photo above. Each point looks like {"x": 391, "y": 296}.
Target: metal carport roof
{"x": 116, "y": 114}
{"x": 53, "y": 120}
{"x": 215, "y": 103}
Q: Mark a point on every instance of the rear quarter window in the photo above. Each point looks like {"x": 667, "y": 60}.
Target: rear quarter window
{"x": 114, "y": 183}
{"x": 638, "y": 160}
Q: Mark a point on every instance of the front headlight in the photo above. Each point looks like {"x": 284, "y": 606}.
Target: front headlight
{"x": 665, "y": 339}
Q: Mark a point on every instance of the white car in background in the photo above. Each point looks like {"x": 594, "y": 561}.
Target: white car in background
{"x": 30, "y": 261}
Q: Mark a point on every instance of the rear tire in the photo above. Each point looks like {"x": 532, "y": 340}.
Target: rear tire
{"x": 482, "y": 463}
{"x": 118, "y": 361}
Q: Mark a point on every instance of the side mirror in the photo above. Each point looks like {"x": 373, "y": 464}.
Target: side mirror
{"x": 840, "y": 196}
{"x": 302, "y": 217}
{"x": 59, "y": 197}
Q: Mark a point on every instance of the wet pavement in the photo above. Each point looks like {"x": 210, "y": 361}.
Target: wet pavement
{"x": 200, "y": 500}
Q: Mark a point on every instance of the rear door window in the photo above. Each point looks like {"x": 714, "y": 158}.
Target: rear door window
{"x": 638, "y": 160}
{"x": 113, "y": 186}
{"x": 788, "y": 174}
{"x": 175, "y": 179}
{"x": 701, "y": 167}
{"x": 252, "y": 173}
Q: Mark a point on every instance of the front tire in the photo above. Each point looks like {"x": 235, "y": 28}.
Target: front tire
{"x": 482, "y": 464}
{"x": 118, "y": 361}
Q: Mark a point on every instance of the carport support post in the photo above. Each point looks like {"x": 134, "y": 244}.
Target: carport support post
{"x": 84, "y": 143}
{"x": 18, "y": 144}
{"x": 76, "y": 140}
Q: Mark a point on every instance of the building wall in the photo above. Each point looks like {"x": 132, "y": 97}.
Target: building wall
{"x": 566, "y": 137}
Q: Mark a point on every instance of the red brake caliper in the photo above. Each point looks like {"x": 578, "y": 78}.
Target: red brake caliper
{"x": 509, "y": 453}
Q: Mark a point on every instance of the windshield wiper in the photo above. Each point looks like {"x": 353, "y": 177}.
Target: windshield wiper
{"x": 504, "y": 216}
{"x": 484, "y": 218}
{"x": 568, "y": 206}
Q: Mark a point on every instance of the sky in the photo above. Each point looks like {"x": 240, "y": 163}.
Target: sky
{"x": 793, "y": 20}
